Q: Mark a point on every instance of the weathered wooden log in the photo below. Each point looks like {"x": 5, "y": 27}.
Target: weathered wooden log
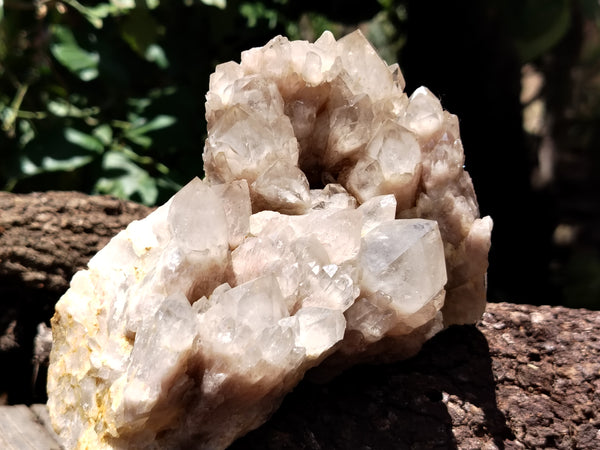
{"x": 524, "y": 377}
{"x": 46, "y": 237}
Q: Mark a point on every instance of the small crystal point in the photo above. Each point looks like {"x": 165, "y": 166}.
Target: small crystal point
{"x": 424, "y": 114}
{"x": 282, "y": 187}
{"x": 365, "y": 71}
{"x": 197, "y": 218}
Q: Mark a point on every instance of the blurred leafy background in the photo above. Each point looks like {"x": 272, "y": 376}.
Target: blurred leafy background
{"x": 107, "y": 97}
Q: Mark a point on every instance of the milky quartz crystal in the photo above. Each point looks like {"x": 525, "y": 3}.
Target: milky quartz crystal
{"x": 336, "y": 224}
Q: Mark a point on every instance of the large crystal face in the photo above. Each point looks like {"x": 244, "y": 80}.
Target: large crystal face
{"x": 336, "y": 224}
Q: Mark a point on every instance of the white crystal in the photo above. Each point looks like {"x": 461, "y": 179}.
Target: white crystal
{"x": 377, "y": 210}
{"x": 364, "y": 71}
{"x": 282, "y": 187}
{"x": 404, "y": 259}
{"x": 320, "y": 329}
{"x": 333, "y": 196}
{"x": 348, "y": 130}
{"x": 161, "y": 345}
{"x": 370, "y": 319}
{"x": 237, "y": 208}
{"x": 245, "y": 144}
{"x": 197, "y": 220}
{"x": 424, "y": 113}
{"x": 336, "y": 224}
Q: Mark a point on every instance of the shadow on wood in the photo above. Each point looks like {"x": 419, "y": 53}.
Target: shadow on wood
{"x": 448, "y": 389}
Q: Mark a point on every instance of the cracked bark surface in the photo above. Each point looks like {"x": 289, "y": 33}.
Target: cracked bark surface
{"x": 523, "y": 377}
{"x": 46, "y": 237}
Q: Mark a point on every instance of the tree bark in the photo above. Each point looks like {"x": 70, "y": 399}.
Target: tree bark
{"x": 46, "y": 237}
{"x": 523, "y": 377}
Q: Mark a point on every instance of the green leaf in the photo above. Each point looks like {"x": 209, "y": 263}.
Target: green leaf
{"x": 155, "y": 53}
{"x": 26, "y": 132}
{"x": 123, "y": 4}
{"x": 152, "y": 4}
{"x": 159, "y": 122}
{"x": 66, "y": 50}
{"x": 140, "y": 30}
{"x": 83, "y": 140}
{"x": 538, "y": 25}
{"x": 218, "y": 3}
{"x": 62, "y": 34}
{"x": 51, "y": 164}
{"x": 256, "y": 11}
{"x": 130, "y": 4}
{"x": 137, "y": 133}
{"x": 142, "y": 141}
{"x": 62, "y": 108}
{"x": 139, "y": 104}
{"x": 104, "y": 134}
{"x": 94, "y": 14}
{"x": 66, "y": 149}
{"x": 125, "y": 179}
{"x": 102, "y": 10}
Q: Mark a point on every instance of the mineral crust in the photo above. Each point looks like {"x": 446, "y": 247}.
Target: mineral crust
{"x": 336, "y": 224}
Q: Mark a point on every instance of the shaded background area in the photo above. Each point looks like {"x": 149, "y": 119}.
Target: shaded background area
{"x": 108, "y": 97}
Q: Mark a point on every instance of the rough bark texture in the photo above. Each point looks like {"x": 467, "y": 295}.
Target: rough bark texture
{"x": 524, "y": 377}
{"x": 46, "y": 237}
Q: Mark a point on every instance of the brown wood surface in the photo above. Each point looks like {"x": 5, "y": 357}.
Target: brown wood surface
{"x": 46, "y": 237}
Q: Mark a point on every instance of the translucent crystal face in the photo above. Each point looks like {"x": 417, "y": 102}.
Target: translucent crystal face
{"x": 336, "y": 224}
{"x": 404, "y": 259}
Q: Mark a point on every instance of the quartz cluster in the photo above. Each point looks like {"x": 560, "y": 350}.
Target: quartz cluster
{"x": 336, "y": 224}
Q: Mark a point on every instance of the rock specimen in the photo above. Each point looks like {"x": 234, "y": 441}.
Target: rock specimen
{"x": 336, "y": 224}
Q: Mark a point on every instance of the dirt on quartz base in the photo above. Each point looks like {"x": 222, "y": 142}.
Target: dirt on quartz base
{"x": 524, "y": 377}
